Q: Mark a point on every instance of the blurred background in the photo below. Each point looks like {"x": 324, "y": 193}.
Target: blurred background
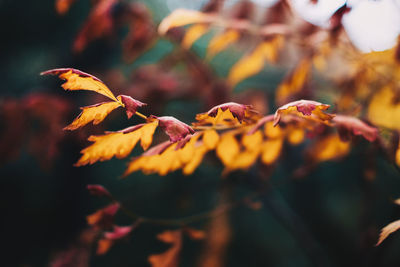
{"x": 330, "y": 215}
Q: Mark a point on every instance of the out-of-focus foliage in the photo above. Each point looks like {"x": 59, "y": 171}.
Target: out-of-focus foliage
{"x": 298, "y": 153}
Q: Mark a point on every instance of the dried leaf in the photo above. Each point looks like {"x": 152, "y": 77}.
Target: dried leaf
{"x": 304, "y": 108}
{"x": 94, "y": 113}
{"x": 387, "y": 230}
{"x": 118, "y": 144}
{"x": 383, "y": 111}
{"x": 79, "y": 80}
{"x": 174, "y": 128}
{"x": 221, "y": 41}
{"x": 169, "y": 258}
{"x": 295, "y": 82}
{"x": 193, "y": 34}
{"x": 182, "y": 17}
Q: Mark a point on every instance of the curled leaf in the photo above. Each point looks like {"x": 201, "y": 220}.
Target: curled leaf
{"x": 79, "y": 80}
{"x": 130, "y": 104}
{"x": 118, "y": 144}
{"x": 174, "y": 128}
{"x": 347, "y": 124}
{"x": 314, "y": 110}
{"x": 387, "y": 230}
{"x": 94, "y": 113}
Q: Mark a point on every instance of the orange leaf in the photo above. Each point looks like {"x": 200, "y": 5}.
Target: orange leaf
{"x": 397, "y": 157}
{"x": 79, "y": 80}
{"x": 193, "y": 34}
{"x": 221, "y": 41}
{"x": 103, "y": 246}
{"x": 182, "y": 17}
{"x": 210, "y": 138}
{"x": 95, "y": 113}
{"x": 169, "y": 258}
{"x": 104, "y": 217}
{"x": 306, "y": 109}
{"x": 118, "y": 144}
{"x": 295, "y": 82}
{"x": 387, "y": 230}
{"x": 271, "y": 149}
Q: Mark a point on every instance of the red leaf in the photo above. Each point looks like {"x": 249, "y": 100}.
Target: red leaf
{"x": 118, "y": 232}
{"x": 104, "y": 217}
{"x": 238, "y": 110}
{"x": 174, "y": 128}
{"x": 348, "y": 124}
{"x": 131, "y": 104}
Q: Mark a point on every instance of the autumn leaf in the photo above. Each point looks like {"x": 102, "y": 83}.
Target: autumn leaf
{"x": 130, "y": 104}
{"x": 397, "y": 156}
{"x": 79, "y": 80}
{"x": 228, "y": 148}
{"x": 271, "y": 150}
{"x": 253, "y": 63}
{"x": 294, "y": 82}
{"x": 329, "y": 147}
{"x": 94, "y": 113}
{"x": 182, "y": 17}
{"x": 221, "y": 41}
{"x": 210, "y": 138}
{"x": 193, "y": 34}
{"x": 227, "y": 114}
{"x": 383, "y": 111}
{"x": 304, "y": 108}
{"x": 387, "y": 230}
{"x": 174, "y": 128}
{"x": 169, "y": 258}
{"x": 118, "y": 144}
{"x": 348, "y": 124}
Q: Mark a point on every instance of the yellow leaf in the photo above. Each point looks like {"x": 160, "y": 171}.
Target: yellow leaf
{"x": 252, "y": 142}
{"x": 222, "y": 118}
{"x": 95, "y": 113}
{"x": 272, "y": 131}
{"x": 210, "y": 139}
{"x": 247, "y": 66}
{"x": 387, "y": 230}
{"x": 271, "y": 149}
{"x": 228, "y": 148}
{"x": 295, "y": 135}
{"x": 221, "y": 41}
{"x": 382, "y": 111}
{"x": 195, "y": 161}
{"x": 182, "y": 17}
{"x": 193, "y": 34}
{"x": 118, "y": 144}
{"x": 329, "y": 148}
{"x": 79, "y": 80}
{"x": 295, "y": 82}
